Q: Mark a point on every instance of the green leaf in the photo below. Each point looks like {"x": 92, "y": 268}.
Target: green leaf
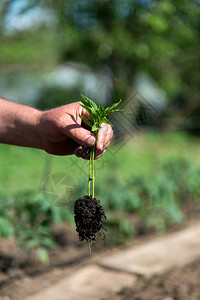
{"x": 86, "y": 121}
{"x": 115, "y": 110}
{"x": 110, "y": 109}
{"x": 90, "y": 102}
{"x": 99, "y": 119}
{"x": 90, "y": 110}
{"x": 91, "y": 119}
{"x": 104, "y": 120}
{"x": 101, "y": 110}
{"x": 95, "y": 127}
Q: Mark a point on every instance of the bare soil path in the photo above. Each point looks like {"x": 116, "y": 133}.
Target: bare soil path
{"x": 105, "y": 275}
{"x": 165, "y": 267}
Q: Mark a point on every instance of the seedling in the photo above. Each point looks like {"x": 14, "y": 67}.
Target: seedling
{"x": 89, "y": 214}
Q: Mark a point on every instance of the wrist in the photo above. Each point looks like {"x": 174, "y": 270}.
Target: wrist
{"x": 37, "y": 128}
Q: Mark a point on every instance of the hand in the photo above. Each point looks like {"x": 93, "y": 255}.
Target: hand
{"x": 62, "y": 132}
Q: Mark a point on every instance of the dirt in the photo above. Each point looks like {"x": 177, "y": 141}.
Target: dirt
{"x": 176, "y": 284}
{"x": 89, "y": 216}
{"x": 19, "y": 282}
{"x": 22, "y": 274}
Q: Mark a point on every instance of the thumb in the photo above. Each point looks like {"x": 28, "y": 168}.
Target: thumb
{"x": 81, "y": 135}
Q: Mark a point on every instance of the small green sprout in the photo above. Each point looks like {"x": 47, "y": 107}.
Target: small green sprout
{"x": 97, "y": 116}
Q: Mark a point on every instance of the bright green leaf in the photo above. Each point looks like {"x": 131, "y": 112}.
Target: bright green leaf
{"x": 95, "y": 127}
{"x": 86, "y": 121}
{"x": 89, "y": 102}
{"x": 91, "y": 119}
{"x": 104, "y": 120}
{"x": 101, "y": 110}
{"x": 109, "y": 109}
{"x": 115, "y": 110}
{"x": 90, "y": 110}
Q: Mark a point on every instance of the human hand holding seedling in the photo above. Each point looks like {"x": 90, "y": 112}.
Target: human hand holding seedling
{"x": 58, "y": 131}
{"x": 63, "y": 132}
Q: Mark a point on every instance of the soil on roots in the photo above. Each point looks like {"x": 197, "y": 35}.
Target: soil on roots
{"x": 89, "y": 216}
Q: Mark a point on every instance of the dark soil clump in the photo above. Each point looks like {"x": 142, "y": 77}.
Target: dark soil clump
{"x": 89, "y": 215}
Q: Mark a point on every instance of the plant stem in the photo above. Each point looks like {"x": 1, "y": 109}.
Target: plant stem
{"x": 93, "y": 152}
{"x": 91, "y": 170}
{"x": 89, "y": 175}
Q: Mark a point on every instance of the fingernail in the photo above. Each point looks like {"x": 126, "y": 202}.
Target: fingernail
{"x": 91, "y": 141}
{"x": 101, "y": 146}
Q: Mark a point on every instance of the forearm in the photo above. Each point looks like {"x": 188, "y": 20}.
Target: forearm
{"x": 19, "y": 124}
{"x": 58, "y": 131}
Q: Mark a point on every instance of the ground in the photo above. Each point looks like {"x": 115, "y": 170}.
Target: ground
{"x": 104, "y": 275}
{"x": 177, "y": 284}
{"x": 20, "y": 281}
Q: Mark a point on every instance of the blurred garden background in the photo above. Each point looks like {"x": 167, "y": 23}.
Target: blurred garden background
{"x": 50, "y": 53}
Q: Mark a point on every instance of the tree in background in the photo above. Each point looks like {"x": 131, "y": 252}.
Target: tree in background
{"x": 160, "y": 38}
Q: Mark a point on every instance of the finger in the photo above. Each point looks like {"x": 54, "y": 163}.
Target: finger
{"x": 108, "y": 137}
{"x": 81, "y": 135}
{"x": 101, "y": 137}
{"x": 104, "y": 136}
{"x": 83, "y": 152}
{"x": 62, "y": 148}
{"x": 99, "y": 155}
{"x": 107, "y": 145}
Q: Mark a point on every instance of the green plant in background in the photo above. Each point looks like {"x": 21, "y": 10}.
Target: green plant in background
{"x": 28, "y": 218}
{"x": 193, "y": 181}
{"x": 135, "y": 203}
{"x": 129, "y": 37}
{"x": 6, "y": 218}
{"x": 156, "y": 203}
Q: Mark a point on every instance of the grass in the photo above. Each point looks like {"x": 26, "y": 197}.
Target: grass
{"x": 23, "y": 168}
